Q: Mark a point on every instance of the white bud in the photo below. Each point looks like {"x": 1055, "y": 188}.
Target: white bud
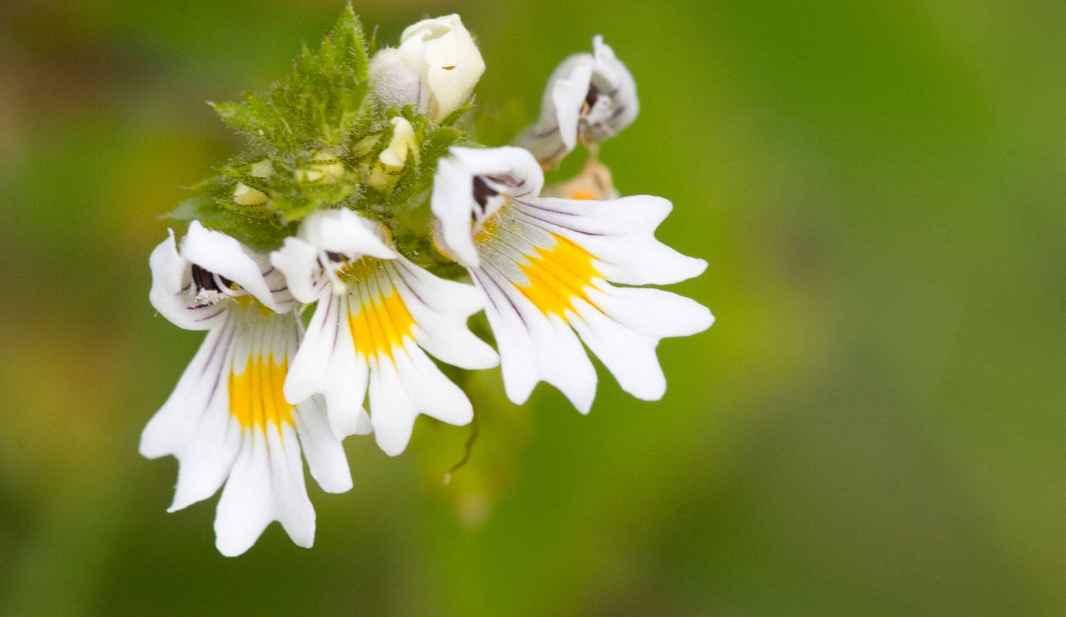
{"x": 395, "y": 83}
{"x": 435, "y": 68}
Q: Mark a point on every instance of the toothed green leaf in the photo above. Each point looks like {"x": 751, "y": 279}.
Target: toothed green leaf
{"x": 320, "y": 103}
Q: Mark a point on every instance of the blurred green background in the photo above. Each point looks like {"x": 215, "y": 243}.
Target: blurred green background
{"x": 874, "y": 426}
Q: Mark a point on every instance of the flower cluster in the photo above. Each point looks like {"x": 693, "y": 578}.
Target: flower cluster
{"x": 326, "y": 296}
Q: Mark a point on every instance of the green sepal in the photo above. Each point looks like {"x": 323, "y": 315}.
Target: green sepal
{"x": 258, "y": 228}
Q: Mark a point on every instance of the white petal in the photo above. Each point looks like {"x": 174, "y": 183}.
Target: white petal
{"x": 654, "y": 312}
{"x": 246, "y": 507}
{"x": 621, "y": 235}
{"x": 206, "y": 461}
{"x": 440, "y": 309}
{"x": 452, "y": 204}
{"x": 518, "y": 359}
{"x": 449, "y": 60}
{"x": 560, "y": 359}
{"x": 555, "y": 133}
{"x": 620, "y": 80}
{"x": 567, "y": 95}
{"x": 502, "y": 161}
{"x": 295, "y": 512}
{"x": 194, "y": 424}
{"x": 327, "y": 364}
{"x": 324, "y": 452}
{"x": 266, "y": 484}
{"x": 344, "y": 231}
{"x": 175, "y": 424}
{"x": 642, "y": 260}
{"x": 392, "y": 410}
{"x": 625, "y": 216}
{"x": 432, "y": 392}
{"x": 222, "y": 255}
{"x": 564, "y": 363}
{"x": 629, "y": 356}
{"x": 297, "y": 260}
{"x": 170, "y": 280}
{"x": 284, "y": 300}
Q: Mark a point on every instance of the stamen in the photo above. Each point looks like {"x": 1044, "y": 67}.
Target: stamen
{"x": 212, "y": 287}
{"x": 204, "y": 279}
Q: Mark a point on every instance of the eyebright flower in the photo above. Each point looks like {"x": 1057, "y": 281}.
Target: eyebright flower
{"x": 377, "y": 315}
{"x": 589, "y": 98}
{"x": 329, "y": 176}
{"x": 227, "y": 420}
{"x": 435, "y": 68}
{"x": 546, "y": 265}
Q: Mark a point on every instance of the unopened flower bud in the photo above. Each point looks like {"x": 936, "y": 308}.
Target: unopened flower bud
{"x": 245, "y": 195}
{"x": 325, "y": 168}
{"x": 262, "y": 169}
{"x": 435, "y": 68}
{"x": 392, "y": 159}
{"x": 589, "y": 98}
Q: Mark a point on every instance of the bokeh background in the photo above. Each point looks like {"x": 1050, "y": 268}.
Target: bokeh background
{"x": 875, "y": 425}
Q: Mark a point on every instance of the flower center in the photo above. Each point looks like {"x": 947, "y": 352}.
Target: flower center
{"x": 355, "y": 270}
{"x": 490, "y": 194}
{"x": 212, "y": 287}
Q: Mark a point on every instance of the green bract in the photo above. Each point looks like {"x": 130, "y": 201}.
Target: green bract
{"x": 313, "y": 140}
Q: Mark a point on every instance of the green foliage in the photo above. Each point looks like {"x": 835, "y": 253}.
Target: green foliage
{"x": 319, "y": 133}
{"x": 259, "y": 228}
{"x": 322, "y": 101}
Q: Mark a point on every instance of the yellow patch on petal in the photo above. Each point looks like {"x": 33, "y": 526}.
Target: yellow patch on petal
{"x": 255, "y": 394}
{"x": 558, "y": 275}
{"x": 380, "y": 326}
{"x": 488, "y": 229}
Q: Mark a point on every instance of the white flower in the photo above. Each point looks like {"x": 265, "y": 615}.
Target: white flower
{"x": 435, "y": 68}
{"x": 546, "y": 265}
{"x": 589, "y": 98}
{"x": 377, "y": 316}
{"x": 227, "y": 420}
